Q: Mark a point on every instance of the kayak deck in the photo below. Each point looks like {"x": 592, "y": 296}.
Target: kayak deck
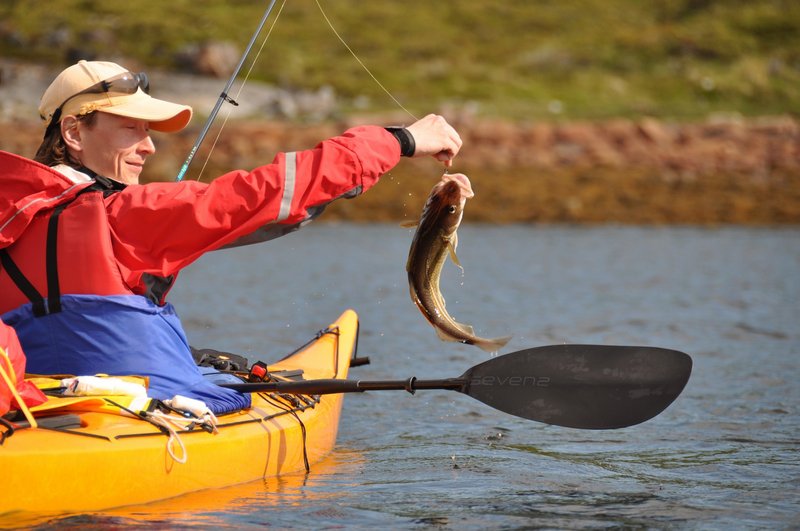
{"x": 113, "y": 460}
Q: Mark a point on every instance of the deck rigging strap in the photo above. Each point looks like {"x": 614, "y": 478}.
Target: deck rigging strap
{"x": 170, "y": 425}
{"x": 295, "y": 400}
{"x": 292, "y": 410}
{"x": 8, "y": 432}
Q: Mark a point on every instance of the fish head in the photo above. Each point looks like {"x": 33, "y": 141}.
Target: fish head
{"x": 463, "y": 183}
{"x": 445, "y": 206}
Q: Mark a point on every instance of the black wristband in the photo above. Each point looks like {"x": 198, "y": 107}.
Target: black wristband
{"x": 407, "y": 144}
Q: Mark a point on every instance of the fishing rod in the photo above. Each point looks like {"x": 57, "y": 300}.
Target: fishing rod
{"x": 223, "y": 97}
{"x": 593, "y": 387}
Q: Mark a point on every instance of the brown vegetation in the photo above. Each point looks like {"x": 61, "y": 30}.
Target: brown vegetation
{"x": 720, "y": 171}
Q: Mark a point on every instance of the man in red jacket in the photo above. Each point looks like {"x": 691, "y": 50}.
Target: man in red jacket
{"x": 87, "y": 254}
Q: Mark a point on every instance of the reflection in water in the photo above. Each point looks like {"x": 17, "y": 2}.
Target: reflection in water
{"x": 250, "y": 502}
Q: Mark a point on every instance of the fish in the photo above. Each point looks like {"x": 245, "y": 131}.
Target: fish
{"x": 435, "y": 239}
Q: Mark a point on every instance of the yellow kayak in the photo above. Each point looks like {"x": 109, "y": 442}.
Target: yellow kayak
{"x": 112, "y": 459}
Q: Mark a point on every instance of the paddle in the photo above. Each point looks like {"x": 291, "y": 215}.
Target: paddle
{"x": 578, "y": 386}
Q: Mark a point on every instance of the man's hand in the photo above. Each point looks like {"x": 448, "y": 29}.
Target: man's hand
{"x": 434, "y": 136}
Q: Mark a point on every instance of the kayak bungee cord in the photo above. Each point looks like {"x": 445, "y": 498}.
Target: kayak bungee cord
{"x": 8, "y": 432}
{"x": 293, "y": 401}
{"x": 292, "y": 410}
{"x": 294, "y": 404}
{"x": 170, "y": 424}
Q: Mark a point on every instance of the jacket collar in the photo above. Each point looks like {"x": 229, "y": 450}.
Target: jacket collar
{"x": 101, "y": 183}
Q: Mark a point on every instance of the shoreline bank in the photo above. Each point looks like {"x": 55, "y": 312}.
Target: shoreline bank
{"x": 725, "y": 170}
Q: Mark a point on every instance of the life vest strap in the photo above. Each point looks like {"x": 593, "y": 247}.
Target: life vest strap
{"x": 51, "y": 263}
{"x": 23, "y": 283}
{"x": 51, "y": 258}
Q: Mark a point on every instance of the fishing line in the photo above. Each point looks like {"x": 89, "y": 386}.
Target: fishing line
{"x": 349, "y": 49}
{"x": 258, "y": 54}
{"x": 241, "y": 87}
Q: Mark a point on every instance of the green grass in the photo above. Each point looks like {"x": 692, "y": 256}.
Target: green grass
{"x": 520, "y": 59}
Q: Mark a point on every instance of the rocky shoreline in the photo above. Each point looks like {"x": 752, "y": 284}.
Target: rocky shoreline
{"x": 643, "y": 172}
{"x": 725, "y": 169}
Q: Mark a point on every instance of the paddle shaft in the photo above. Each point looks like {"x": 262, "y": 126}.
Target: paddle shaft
{"x": 332, "y": 386}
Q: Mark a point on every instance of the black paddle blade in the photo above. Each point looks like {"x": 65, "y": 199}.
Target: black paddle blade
{"x": 582, "y": 386}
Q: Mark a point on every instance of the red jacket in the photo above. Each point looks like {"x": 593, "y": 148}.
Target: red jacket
{"x": 159, "y": 228}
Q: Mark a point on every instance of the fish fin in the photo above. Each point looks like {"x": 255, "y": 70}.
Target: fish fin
{"x": 444, "y": 336}
{"x": 493, "y": 344}
{"x": 466, "y": 330}
{"x": 410, "y": 224}
{"x": 453, "y": 256}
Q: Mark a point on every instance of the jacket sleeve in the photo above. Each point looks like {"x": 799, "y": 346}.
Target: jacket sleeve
{"x": 159, "y": 228}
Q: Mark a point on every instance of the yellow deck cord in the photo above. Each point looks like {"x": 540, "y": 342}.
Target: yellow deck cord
{"x": 10, "y": 378}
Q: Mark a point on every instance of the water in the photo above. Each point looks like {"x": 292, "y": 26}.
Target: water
{"x": 723, "y": 456}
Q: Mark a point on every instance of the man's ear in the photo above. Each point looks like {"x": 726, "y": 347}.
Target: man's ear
{"x": 71, "y": 133}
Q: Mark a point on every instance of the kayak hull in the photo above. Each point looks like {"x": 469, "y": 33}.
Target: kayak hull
{"x": 113, "y": 460}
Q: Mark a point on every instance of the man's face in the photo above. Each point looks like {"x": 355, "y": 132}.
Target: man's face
{"x": 114, "y": 146}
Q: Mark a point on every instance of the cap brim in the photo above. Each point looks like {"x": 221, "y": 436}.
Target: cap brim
{"x": 163, "y": 115}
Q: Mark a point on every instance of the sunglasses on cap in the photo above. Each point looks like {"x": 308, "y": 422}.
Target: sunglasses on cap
{"x": 124, "y": 83}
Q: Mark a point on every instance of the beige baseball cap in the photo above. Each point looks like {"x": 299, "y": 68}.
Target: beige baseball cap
{"x": 79, "y": 89}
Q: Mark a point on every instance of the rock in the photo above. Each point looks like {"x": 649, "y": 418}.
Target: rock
{"x": 216, "y": 59}
{"x": 656, "y": 132}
